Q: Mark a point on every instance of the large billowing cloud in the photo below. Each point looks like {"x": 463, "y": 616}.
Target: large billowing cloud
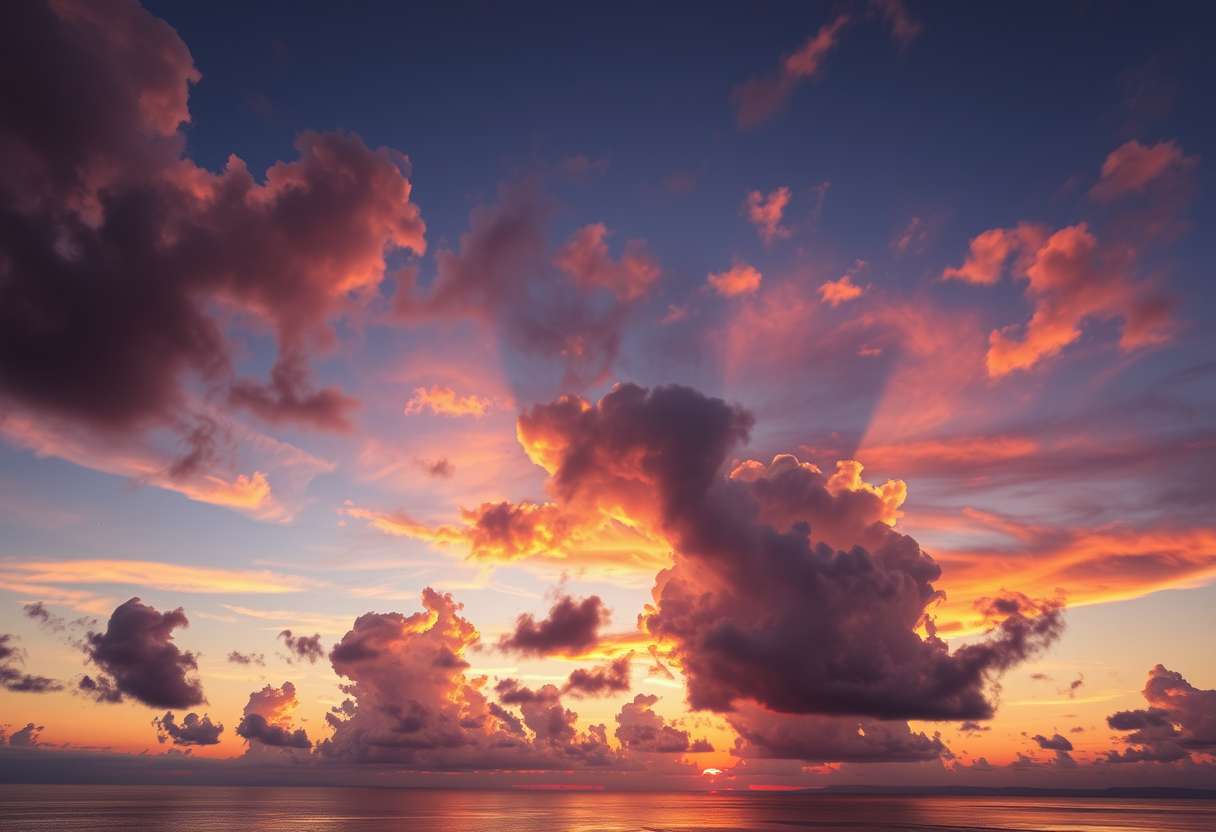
{"x": 1180, "y": 720}
{"x": 138, "y": 658}
{"x": 110, "y": 234}
{"x": 1071, "y": 279}
{"x": 412, "y": 704}
{"x": 788, "y": 587}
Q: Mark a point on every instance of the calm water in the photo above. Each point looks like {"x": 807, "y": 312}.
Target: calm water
{"x": 209, "y": 809}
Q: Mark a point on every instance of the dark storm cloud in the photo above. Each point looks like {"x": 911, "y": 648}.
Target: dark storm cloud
{"x": 140, "y": 660}
{"x": 571, "y": 627}
{"x": 193, "y": 729}
{"x": 307, "y": 648}
{"x": 110, "y": 234}
{"x": 754, "y": 607}
{"x": 15, "y": 680}
{"x": 604, "y": 680}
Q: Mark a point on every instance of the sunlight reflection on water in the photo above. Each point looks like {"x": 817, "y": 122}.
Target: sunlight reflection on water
{"x": 212, "y": 809}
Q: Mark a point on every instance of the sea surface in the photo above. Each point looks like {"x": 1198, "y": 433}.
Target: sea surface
{"x": 214, "y": 808}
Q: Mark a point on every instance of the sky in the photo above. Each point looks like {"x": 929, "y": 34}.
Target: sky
{"x": 556, "y": 397}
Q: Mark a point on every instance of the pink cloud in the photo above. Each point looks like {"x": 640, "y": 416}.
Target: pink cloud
{"x": 1132, "y": 167}
{"x": 739, "y": 279}
{"x": 759, "y": 99}
{"x": 765, "y": 212}
{"x": 836, "y": 292}
{"x": 585, "y": 258}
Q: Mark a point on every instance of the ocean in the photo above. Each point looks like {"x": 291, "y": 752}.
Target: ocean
{"x": 254, "y": 809}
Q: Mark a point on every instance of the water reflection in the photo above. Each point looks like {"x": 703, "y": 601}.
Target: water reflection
{"x": 211, "y": 809}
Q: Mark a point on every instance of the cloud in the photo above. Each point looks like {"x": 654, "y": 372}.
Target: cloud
{"x": 303, "y": 647}
{"x": 266, "y": 720}
{"x": 894, "y": 13}
{"x": 836, "y": 292}
{"x": 739, "y": 279}
{"x": 12, "y": 679}
{"x": 1071, "y": 279}
{"x": 828, "y": 739}
{"x": 237, "y": 657}
{"x": 765, "y": 212}
{"x": 170, "y": 577}
{"x": 101, "y": 203}
{"x": 444, "y": 401}
{"x": 638, "y": 728}
{"x": 193, "y": 729}
{"x": 760, "y": 98}
{"x": 502, "y": 276}
{"x": 572, "y": 627}
{"x": 604, "y": 680}
{"x": 1056, "y": 742}
{"x": 412, "y": 704}
{"x": 585, "y": 259}
{"x": 139, "y": 659}
{"x": 1132, "y": 167}
{"x": 26, "y": 737}
{"x": 1180, "y": 720}
{"x": 733, "y": 605}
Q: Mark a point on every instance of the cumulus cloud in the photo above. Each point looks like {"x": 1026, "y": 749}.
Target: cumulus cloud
{"x": 15, "y": 680}
{"x": 266, "y": 719}
{"x": 1180, "y": 720}
{"x": 585, "y": 259}
{"x": 192, "y": 730}
{"x": 1055, "y": 742}
{"x": 739, "y": 279}
{"x": 100, "y": 204}
{"x": 604, "y": 680}
{"x": 26, "y": 737}
{"x": 138, "y": 658}
{"x": 571, "y": 627}
{"x": 1071, "y": 279}
{"x": 733, "y": 607}
{"x": 305, "y": 648}
{"x": 766, "y": 212}
{"x": 1132, "y": 167}
{"x": 760, "y": 98}
{"x": 843, "y": 290}
{"x": 639, "y": 728}
{"x": 412, "y": 704}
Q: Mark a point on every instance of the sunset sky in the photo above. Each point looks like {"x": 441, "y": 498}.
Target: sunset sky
{"x": 677, "y": 396}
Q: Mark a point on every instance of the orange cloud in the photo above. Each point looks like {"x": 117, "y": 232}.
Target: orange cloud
{"x": 154, "y": 574}
{"x": 765, "y": 212}
{"x": 444, "y": 401}
{"x": 739, "y": 279}
{"x": 585, "y": 258}
{"x": 1132, "y": 167}
{"x": 836, "y": 292}
{"x": 1070, "y": 279}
